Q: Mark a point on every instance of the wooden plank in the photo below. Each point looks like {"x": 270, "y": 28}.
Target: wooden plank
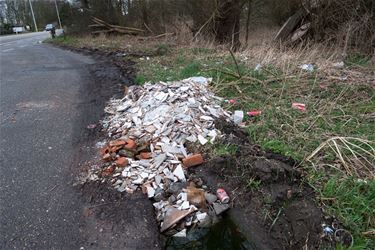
{"x": 290, "y": 25}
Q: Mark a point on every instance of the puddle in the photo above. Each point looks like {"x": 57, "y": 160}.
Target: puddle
{"x": 224, "y": 235}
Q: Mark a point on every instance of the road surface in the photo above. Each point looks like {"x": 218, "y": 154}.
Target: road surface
{"x": 46, "y": 103}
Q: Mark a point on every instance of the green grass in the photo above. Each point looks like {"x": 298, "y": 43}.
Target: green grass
{"x": 352, "y": 201}
{"x": 225, "y": 149}
{"x": 357, "y": 60}
{"x": 64, "y": 40}
{"x": 253, "y": 184}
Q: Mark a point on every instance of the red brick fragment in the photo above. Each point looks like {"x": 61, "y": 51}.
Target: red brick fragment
{"x": 107, "y": 157}
{"x": 105, "y": 150}
{"x": 130, "y": 144}
{"x": 193, "y": 160}
{"x": 117, "y": 143}
{"x": 108, "y": 171}
{"x": 121, "y": 162}
{"x": 145, "y": 155}
{"x": 114, "y": 149}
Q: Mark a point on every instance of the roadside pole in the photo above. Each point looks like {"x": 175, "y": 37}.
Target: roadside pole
{"x": 32, "y": 13}
{"x": 58, "y": 15}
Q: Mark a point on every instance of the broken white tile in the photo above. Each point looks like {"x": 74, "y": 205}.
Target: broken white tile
{"x": 179, "y": 173}
{"x": 192, "y": 138}
{"x": 180, "y": 234}
{"x": 150, "y": 192}
{"x": 185, "y": 205}
{"x": 202, "y": 140}
{"x": 201, "y": 216}
{"x": 182, "y": 196}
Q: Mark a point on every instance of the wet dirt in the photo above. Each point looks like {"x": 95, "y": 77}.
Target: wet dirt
{"x": 273, "y": 207}
{"x": 109, "y": 219}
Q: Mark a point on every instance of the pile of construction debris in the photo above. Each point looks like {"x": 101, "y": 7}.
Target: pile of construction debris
{"x": 149, "y": 130}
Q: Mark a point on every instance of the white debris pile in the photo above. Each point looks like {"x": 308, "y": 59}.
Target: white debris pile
{"x": 149, "y": 129}
{"x": 167, "y": 112}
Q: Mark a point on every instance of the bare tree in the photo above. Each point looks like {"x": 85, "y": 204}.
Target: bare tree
{"x": 227, "y": 22}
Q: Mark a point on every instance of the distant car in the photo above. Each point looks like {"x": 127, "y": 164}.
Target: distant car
{"x": 49, "y": 27}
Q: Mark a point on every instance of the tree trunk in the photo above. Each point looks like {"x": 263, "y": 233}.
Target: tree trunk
{"x": 227, "y": 23}
{"x": 144, "y": 13}
{"x": 248, "y": 21}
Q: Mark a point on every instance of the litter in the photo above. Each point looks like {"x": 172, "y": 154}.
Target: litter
{"x": 328, "y": 230}
{"x": 173, "y": 215}
{"x": 193, "y": 160}
{"x": 238, "y": 116}
{"x": 339, "y": 65}
{"x": 210, "y": 198}
{"x": 196, "y": 197}
{"x": 258, "y": 67}
{"x": 231, "y": 101}
{"x": 149, "y": 129}
{"x": 307, "y": 67}
{"x": 254, "y": 113}
{"x": 222, "y": 195}
{"x": 182, "y": 233}
{"x": 299, "y": 106}
{"x": 220, "y": 208}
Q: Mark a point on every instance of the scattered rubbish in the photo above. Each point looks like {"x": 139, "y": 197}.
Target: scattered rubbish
{"x": 344, "y": 237}
{"x": 220, "y": 208}
{"x": 182, "y": 233}
{"x": 254, "y": 113}
{"x": 193, "y": 160}
{"x": 307, "y": 67}
{"x": 91, "y": 126}
{"x": 222, "y": 195}
{"x": 343, "y": 78}
{"x": 299, "y": 106}
{"x": 338, "y": 235}
{"x": 179, "y": 173}
{"x": 173, "y": 215}
{"x": 339, "y": 65}
{"x": 149, "y": 128}
{"x": 121, "y": 162}
{"x": 258, "y": 67}
{"x": 238, "y": 116}
{"x": 210, "y": 198}
{"x": 327, "y": 230}
{"x": 196, "y": 197}
{"x": 231, "y": 101}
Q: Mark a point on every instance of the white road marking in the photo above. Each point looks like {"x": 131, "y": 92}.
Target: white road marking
{"x": 7, "y": 50}
{"x": 5, "y": 44}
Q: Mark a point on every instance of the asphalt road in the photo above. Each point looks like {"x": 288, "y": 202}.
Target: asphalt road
{"x": 46, "y": 102}
{"x": 38, "y": 92}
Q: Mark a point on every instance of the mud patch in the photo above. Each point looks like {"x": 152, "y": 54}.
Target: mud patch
{"x": 273, "y": 206}
{"x": 115, "y": 220}
{"x": 109, "y": 220}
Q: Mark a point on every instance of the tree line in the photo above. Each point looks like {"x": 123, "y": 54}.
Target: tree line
{"x": 221, "y": 20}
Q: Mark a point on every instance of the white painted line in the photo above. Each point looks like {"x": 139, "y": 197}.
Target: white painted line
{"x": 7, "y": 50}
{"x": 5, "y": 44}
